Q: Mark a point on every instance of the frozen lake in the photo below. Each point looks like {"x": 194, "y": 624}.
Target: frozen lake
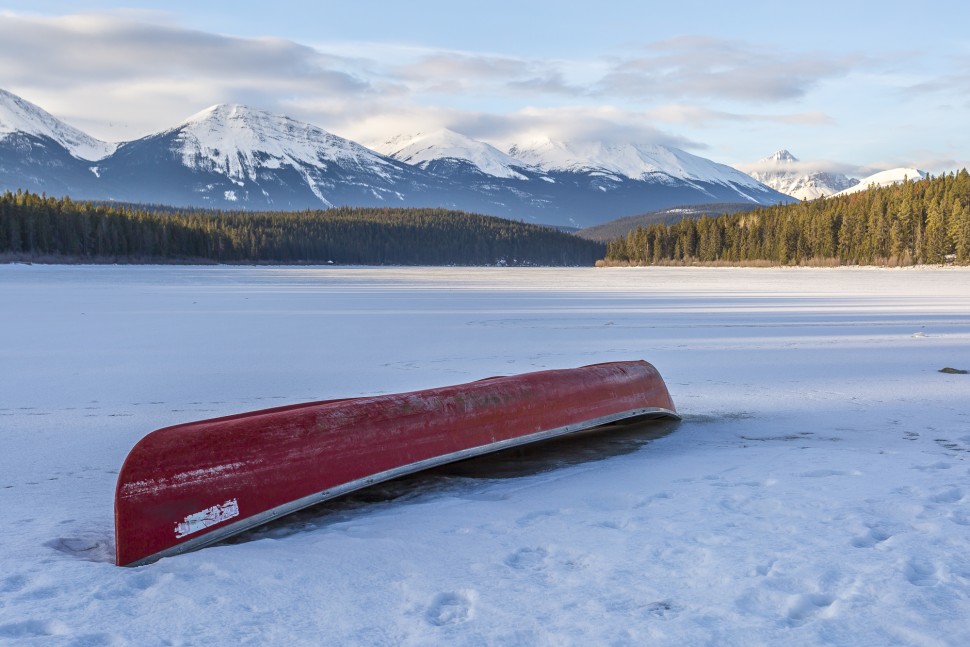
{"x": 817, "y": 491}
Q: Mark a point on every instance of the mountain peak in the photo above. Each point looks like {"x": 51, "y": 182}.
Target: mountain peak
{"x": 240, "y": 140}
{"x": 222, "y": 111}
{"x": 422, "y": 149}
{"x": 17, "y": 115}
{"x": 781, "y": 156}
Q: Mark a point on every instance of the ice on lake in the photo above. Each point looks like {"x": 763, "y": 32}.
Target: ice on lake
{"x": 817, "y": 491}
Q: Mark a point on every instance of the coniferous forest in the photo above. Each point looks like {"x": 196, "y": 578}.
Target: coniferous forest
{"x": 48, "y": 229}
{"x": 924, "y": 222}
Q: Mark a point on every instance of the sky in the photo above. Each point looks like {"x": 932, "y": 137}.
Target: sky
{"x": 848, "y": 86}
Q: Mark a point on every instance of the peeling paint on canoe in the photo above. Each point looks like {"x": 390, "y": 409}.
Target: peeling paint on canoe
{"x": 209, "y": 517}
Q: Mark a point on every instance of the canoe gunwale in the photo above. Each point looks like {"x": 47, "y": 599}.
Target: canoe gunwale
{"x": 235, "y": 528}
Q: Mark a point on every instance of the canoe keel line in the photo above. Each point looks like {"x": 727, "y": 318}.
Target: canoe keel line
{"x": 191, "y": 485}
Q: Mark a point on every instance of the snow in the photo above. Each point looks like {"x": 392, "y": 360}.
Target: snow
{"x": 815, "y": 493}
{"x": 886, "y": 178}
{"x": 614, "y": 161}
{"x": 634, "y": 161}
{"x": 423, "y": 148}
{"x": 238, "y": 141}
{"x": 20, "y": 115}
{"x": 784, "y": 172}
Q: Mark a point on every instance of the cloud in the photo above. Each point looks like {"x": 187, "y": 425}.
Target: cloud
{"x": 699, "y": 116}
{"x": 125, "y": 74}
{"x": 955, "y": 81}
{"x": 808, "y": 166}
{"x": 922, "y": 160}
{"x": 550, "y": 83}
{"x": 711, "y": 68}
{"x": 82, "y": 48}
{"x": 460, "y": 65}
{"x": 84, "y": 63}
{"x": 574, "y": 123}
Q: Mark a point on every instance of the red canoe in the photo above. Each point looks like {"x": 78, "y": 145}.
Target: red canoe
{"x": 188, "y": 486}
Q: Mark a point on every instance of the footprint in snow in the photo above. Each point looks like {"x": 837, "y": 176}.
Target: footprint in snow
{"x": 949, "y": 495}
{"x": 535, "y": 517}
{"x": 920, "y": 572}
{"x": 664, "y": 609}
{"x": 13, "y": 584}
{"x": 960, "y": 517}
{"x": 805, "y": 607}
{"x": 528, "y": 559}
{"x": 33, "y": 629}
{"x": 876, "y": 535}
{"x": 451, "y": 608}
{"x": 92, "y": 549}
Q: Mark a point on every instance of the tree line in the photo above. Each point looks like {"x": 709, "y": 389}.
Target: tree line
{"x": 36, "y": 227}
{"x": 912, "y": 223}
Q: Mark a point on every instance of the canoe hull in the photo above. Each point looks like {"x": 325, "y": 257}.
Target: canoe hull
{"x": 188, "y": 486}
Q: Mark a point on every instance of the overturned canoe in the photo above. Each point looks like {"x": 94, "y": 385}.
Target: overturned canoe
{"x": 188, "y": 486}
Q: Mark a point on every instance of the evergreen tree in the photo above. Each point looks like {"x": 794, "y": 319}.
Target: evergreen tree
{"x": 914, "y": 222}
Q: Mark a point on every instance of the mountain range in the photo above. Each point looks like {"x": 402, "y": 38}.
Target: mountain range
{"x": 237, "y": 157}
{"x": 785, "y": 173}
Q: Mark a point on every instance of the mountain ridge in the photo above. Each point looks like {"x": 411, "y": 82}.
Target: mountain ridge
{"x": 886, "y": 178}
{"x": 237, "y": 157}
{"x": 17, "y": 115}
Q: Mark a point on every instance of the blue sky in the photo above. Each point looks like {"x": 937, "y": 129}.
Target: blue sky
{"x": 849, "y": 86}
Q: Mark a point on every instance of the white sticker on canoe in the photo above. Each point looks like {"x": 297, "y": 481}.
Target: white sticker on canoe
{"x": 208, "y": 517}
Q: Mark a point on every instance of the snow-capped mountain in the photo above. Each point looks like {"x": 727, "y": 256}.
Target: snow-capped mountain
{"x": 236, "y": 157}
{"x": 21, "y": 117}
{"x": 631, "y": 161}
{"x": 241, "y": 141}
{"x": 430, "y": 151}
{"x": 886, "y": 178}
{"x": 579, "y": 181}
{"x": 40, "y": 153}
{"x": 785, "y": 173}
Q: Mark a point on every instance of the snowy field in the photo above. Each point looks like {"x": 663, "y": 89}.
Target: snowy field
{"x": 817, "y": 491}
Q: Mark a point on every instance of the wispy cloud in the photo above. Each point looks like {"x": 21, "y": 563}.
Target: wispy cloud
{"x": 698, "y": 67}
{"x": 552, "y": 83}
{"x": 809, "y": 166}
{"x": 576, "y": 123}
{"x": 464, "y": 66}
{"x": 699, "y": 116}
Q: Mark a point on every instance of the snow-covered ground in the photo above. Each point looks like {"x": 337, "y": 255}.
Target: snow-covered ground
{"x": 817, "y": 491}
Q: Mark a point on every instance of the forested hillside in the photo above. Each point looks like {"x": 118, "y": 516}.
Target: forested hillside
{"x": 34, "y": 227}
{"x": 906, "y": 224}
{"x": 620, "y": 227}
